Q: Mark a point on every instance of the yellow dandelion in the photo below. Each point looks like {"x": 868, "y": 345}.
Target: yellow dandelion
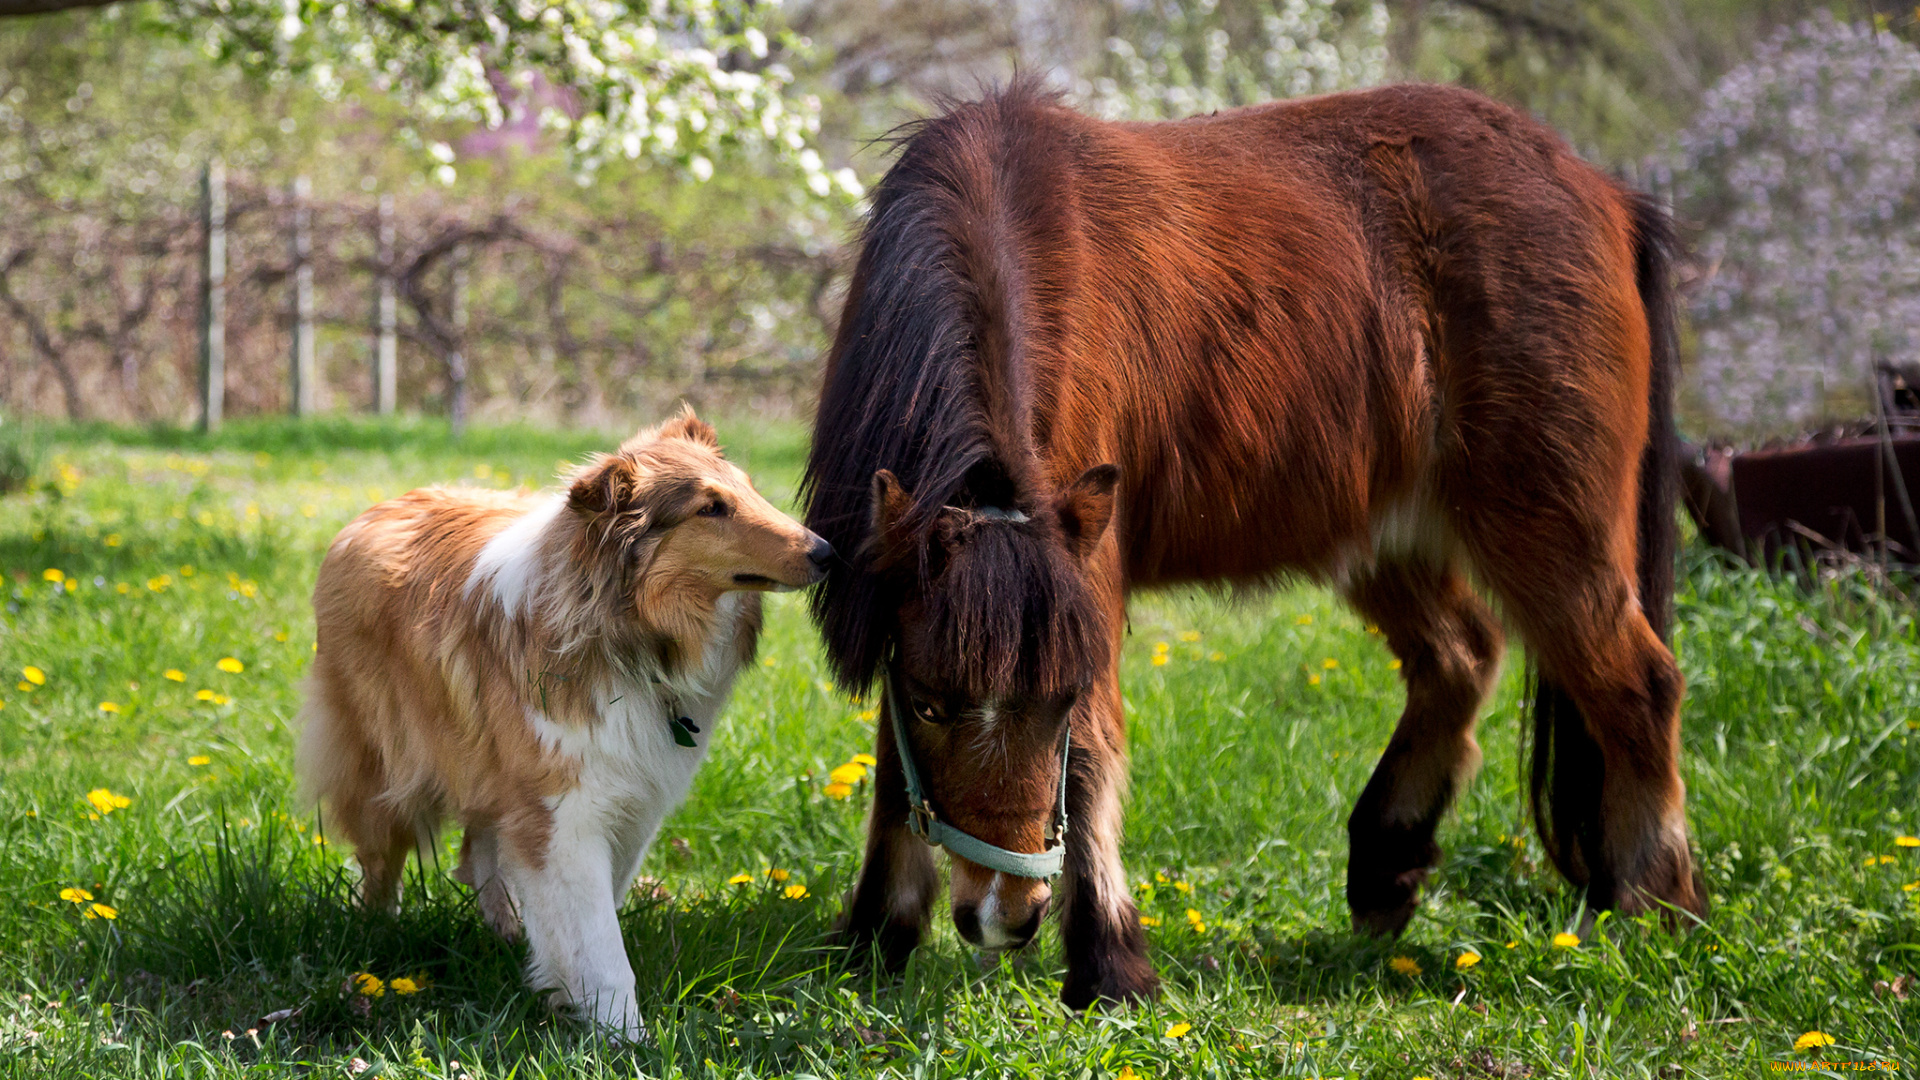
{"x": 1159, "y": 646}
{"x": 1513, "y": 944}
{"x": 110, "y": 706}
{"x": 1405, "y": 965}
{"x": 1159, "y": 659}
{"x": 1194, "y": 920}
{"x": 1216, "y": 656}
{"x": 53, "y": 575}
{"x": 368, "y": 984}
{"x": 1183, "y": 886}
{"x": 199, "y": 759}
{"x": 102, "y": 911}
{"x": 123, "y": 588}
{"x": 280, "y": 636}
{"x": 1393, "y": 665}
{"x": 794, "y": 892}
{"x": 1313, "y": 680}
{"x": 1812, "y": 1039}
{"x": 1910, "y": 886}
{"x": 106, "y": 801}
{"x": 1178, "y": 1029}
{"x": 1465, "y": 960}
{"x": 113, "y": 540}
{"x": 159, "y": 584}
{"x": 1906, "y": 841}
{"x": 482, "y": 471}
{"x": 1149, "y": 920}
{"x": 174, "y": 674}
{"x": 74, "y": 894}
{"x": 867, "y": 716}
{"x": 1564, "y": 940}
{"x": 837, "y": 790}
{"x": 1189, "y": 635}
{"x": 741, "y": 878}
{"x": 1127, "y": 1073}
{"x": 850, "y": 773}
{"x": 1329, "y": 663}
{"x": 221, "y": 699}
{"x": 778, "y": 874}
{"x": 203, "y": 695}
{"x": 404, "y": 986}
{"x": 231, "y": 666}
{"x": 865, "y": 759}
{"x": 1160, "y": 876}
{"x": 34, "y": 675}
{"x": 1304, "y": 620}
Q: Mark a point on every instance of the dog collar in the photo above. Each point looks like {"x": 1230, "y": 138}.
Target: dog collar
{"x": 924, "y": 823}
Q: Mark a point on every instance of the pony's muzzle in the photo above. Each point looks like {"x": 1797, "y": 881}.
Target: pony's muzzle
{"x": 1007, "y": 912}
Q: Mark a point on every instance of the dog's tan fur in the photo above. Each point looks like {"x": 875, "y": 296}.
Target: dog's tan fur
{"x": 451, "y": 683}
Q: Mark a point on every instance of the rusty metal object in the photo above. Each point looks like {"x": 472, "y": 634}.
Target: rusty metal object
{"x": 1838, "y": 495}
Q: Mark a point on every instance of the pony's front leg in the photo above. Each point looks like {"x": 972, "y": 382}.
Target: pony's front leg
{"x": 1099, "y": 925}
{"x": 892, "y": 900}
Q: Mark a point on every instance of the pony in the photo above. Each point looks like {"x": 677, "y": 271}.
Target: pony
{"x": 1398, "y": 340}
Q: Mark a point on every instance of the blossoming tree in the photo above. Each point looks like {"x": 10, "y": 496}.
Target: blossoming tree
{"x": 1802, "y": 170}
{"x": 674, "y": 81}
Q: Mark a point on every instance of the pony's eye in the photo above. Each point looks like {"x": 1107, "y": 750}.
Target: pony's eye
{"x": 716, "y": 508}
{"x": 929, "y": 712}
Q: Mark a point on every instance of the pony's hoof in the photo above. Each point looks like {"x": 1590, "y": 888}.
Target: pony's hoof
{"x": 1382, "y": 909}
{"x": 894, "y": 942}
{"x": 1121, "y": 984}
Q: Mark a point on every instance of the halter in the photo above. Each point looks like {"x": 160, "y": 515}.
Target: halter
{"x": 923, "y": 823}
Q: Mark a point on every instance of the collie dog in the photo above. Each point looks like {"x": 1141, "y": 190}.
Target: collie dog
{"x": 545, "y": 669}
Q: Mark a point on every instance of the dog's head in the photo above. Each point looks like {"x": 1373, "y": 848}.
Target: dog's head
{"x": 683, "y": 522}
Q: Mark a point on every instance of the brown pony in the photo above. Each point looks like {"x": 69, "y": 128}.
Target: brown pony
{"x": 1398, "y": 340}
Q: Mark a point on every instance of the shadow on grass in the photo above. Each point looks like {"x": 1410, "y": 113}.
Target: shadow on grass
{"x": 255, "y": 924}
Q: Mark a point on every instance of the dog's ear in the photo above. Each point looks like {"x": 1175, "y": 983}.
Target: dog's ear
{"x": 691, "y": 428}
{"x": 888, "y": 542}
{"x": 609, "y": 486}
{"x": 1086, "y": 508}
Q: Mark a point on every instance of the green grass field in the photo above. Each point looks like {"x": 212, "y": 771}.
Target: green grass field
{"x": 139, "y": 776}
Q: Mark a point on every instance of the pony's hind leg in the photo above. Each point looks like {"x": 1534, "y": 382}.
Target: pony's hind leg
{"x": 1605, "y": 776}
{"x": 1449, "y": 647}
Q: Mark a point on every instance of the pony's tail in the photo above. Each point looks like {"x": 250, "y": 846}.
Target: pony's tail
{"x": 1567, "y": 771}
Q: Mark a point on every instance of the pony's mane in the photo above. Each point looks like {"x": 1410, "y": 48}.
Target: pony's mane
{"x": 927, "y": 377}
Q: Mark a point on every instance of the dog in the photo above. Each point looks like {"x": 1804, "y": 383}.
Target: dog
{"x": 546, "y": 670}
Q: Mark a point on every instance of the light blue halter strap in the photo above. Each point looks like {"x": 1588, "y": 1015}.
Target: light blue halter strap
{"x": 922, "y": 821}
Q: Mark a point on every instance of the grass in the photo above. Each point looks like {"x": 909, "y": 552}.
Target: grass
{"x": 1250, "y": 743}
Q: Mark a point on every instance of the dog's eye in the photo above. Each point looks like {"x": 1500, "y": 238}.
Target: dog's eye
{"x": 715, "y": 508}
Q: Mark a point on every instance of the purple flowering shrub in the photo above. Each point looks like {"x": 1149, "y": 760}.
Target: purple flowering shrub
{"x": 1802, "y": 171}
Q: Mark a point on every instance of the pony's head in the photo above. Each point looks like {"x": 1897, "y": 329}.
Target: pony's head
{"x": 998, "y": 632}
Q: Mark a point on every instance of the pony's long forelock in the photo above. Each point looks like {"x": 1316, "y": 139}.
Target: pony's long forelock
{"x": 1011, "y": 615}
{"x": 917, "y": 388}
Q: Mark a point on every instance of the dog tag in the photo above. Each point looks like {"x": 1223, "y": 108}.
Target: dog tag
{"x": 684, "y": 730}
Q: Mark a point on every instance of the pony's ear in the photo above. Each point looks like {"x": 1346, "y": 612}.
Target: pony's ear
{"x": 691, "y": 428}
{"x": 1086, "y": 508}
{"x": 889, "y": 542}
{"x": 608, "y": 486}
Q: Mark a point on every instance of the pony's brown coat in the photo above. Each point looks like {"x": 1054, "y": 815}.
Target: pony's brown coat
{"x": 1386, "y": 339}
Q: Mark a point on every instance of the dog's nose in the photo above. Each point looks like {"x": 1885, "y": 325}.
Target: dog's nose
{"x": 820, "y": 554}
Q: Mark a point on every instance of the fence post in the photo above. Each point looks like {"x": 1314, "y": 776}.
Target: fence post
{"x": 305, "y": 393}
{"x": 213, "y": 294}
{"x": 457, "y": 359}
{"x": 385, "y": 318}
